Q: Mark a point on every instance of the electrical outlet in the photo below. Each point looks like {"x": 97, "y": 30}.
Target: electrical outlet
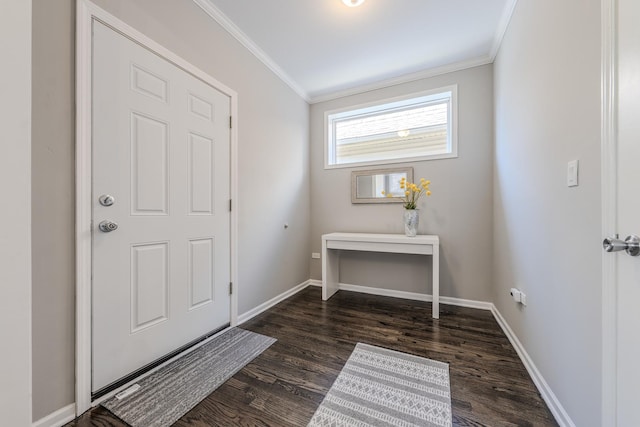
{"x": 315, "y": 255}
{"x": 516, "y": 294}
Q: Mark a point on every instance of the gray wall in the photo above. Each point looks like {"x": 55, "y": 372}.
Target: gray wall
{"x": 15, "y": 187}
{"x": 53, "y": 205}
{"x": 459, "y": 211}
{"x": 273, "y": 171}
{"x": 546, "y": 235}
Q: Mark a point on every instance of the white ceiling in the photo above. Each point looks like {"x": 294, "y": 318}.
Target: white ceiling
{"x": 324, "y": 49}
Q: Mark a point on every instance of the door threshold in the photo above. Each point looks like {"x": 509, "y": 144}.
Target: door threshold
{"x": 143, "y": 371}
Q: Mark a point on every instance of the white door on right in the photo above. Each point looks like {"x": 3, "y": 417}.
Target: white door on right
{"x": 628, "y": 212}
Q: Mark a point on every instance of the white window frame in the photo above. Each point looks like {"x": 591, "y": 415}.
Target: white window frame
{"x": 432, "y": 94}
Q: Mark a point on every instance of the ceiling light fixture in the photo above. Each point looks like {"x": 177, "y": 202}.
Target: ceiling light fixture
{"x": 353, "y": 3}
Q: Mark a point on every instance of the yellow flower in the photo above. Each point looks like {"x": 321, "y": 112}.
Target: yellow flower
{"x": 383, "y": 192}
{"x": 412, "y": 192}
{"x": 389, "y": 195}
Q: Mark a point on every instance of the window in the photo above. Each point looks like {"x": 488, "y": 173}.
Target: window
{"x": 420, "y": 127}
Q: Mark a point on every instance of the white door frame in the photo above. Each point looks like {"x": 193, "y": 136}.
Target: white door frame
{"x": 87, "y": 12}
{"x": 609, "y": 151}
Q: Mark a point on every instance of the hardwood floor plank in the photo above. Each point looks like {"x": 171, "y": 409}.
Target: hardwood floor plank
{"x": 286, "y": 383}
{"x": 98, "y": 417}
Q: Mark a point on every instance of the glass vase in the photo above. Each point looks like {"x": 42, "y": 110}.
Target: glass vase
{"x": 411, "y": 219}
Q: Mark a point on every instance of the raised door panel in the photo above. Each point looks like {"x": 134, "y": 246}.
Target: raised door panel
{"x": 201, "y": 175}
{"x": 149, "y": 285}
{"x": 148, "y": 84}
{"x": 149, "y": 166}
{"x": 201, "y": 272}
{"x": 201, "y": 108}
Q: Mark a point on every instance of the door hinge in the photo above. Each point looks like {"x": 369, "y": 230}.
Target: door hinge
{"x": 230, "y": 205}
{"x": 230, "y": 288}
{"x": 230, "y": 122}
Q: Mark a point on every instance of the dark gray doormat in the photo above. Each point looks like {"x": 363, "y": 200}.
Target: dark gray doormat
{"x": 169, "y": 393}
{"x": 380, "y": 387}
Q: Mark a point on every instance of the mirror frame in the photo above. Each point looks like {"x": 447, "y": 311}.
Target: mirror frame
{"x": 371, "y": 172}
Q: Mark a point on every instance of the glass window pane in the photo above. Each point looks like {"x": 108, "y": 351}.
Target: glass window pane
{"x": 413, "y": 128}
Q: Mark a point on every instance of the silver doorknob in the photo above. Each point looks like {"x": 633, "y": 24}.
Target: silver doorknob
{"x": 107, "y": 226}
{"x": 631, "y": 244}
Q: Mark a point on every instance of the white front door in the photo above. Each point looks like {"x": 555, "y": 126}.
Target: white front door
{"x": 161, "y": 150}
{"x": 628, "y": 212}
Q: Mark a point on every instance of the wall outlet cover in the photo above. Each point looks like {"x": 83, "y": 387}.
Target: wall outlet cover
{"x": 515, "y": 294}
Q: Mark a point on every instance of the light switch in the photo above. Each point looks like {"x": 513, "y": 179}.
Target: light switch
{"x": 572, "y": 173}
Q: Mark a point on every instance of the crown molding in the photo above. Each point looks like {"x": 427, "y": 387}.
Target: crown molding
{"x": 237, "y": 33}
{"x": 406, "y": 78}
{"x": 249, "y": 44}
{"x": 505, "y": 19}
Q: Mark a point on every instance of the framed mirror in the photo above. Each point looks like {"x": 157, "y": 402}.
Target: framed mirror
{"x": 367, "y": 185}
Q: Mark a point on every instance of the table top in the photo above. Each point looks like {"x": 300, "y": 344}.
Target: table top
{"x": 421, "y": 239}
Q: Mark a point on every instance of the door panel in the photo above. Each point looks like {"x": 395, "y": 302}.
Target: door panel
{"x": 149, "y": 285}
{"x": 201, "y": 175}
{"x": 149, "y": 166}
{"x": 202, "y": 272}
{"x": 161, "y": 148}
{"x": 628, "y": 209}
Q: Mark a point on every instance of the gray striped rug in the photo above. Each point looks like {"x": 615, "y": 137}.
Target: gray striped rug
{"x": 380, "y": 387}
{"x": 169, "y": 393}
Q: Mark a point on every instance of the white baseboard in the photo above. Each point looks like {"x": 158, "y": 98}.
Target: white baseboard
{"x": 556, "y": 408}
{"x": 273, "y": 301}
{"x": 58, "y": 418}
{"x": 385, "y": 292}
{"x": 482, "y": 305}
{"x": 469, "y": 303}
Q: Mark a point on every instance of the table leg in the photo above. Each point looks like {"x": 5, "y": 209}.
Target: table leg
{"x": 330, "y": 271}
{"x": 436, "y": 281}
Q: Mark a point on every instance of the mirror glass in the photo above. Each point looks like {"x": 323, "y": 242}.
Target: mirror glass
{"x": 367, "y": 185}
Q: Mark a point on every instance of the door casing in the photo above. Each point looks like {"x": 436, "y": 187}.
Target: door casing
{"x": 609, "y": 150}
{"x": 87, "y": 12}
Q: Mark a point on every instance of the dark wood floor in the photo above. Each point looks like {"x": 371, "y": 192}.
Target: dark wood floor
{"x": 285, "y": 384}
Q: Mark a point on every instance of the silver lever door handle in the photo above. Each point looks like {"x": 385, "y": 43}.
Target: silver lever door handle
{"x": 107, "y": 226}
{"x": 631, "y": 244}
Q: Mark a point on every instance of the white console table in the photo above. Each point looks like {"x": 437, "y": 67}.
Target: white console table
{"x": 393, "y": 243}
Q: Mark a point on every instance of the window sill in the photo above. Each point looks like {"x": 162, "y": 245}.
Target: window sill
{"x": 391, "y": 161}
